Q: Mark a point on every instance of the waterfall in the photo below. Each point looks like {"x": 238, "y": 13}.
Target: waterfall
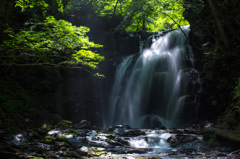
{"x": 156, "y": 88}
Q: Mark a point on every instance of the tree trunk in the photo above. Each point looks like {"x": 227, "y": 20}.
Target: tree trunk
{"x": 214, "y": 10}
{"x": 3, "y": 4}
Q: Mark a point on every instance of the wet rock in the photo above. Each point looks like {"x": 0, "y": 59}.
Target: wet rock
{"x": 78, "y": 141}
{"x": 126, "y": 126}
{"x": 113, "y": 143}
{"x": 45, "y": 146}
{"x": 176, "y": 131}
{"x": 72, "y": 154}
{"x": 99, "y": 144}
{"x": 128, "y": 150}
{"x": 19, "y": 139}
{"x": 88, "y": 151}
{"x": 110, "y": 136}
{"x": 83, "y": 151}
{"x": 221, "y": 155}
{"x": 60, "y": 145}
{"x": 75, "y": 143}
{"x": 176, "y": 140}
{"x": 134, "y": 132}
{"x": 122, "y": 141}
{"x": 137, "y": 151}
{"x": 121, "y": 126}
{"x": 84, "y": 124}
{"x": 82, "y": 132}
{"x": 96, "y": 152}
{"x": 92, "y": 133}
{"x": 187, "y": 151}
{"x": 128, "y": 132}
{"x": 119, "y": 131}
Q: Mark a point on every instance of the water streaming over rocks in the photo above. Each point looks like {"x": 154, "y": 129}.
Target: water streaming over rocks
{"x": 114, "y": 142}
{"x": 157, "y": 88}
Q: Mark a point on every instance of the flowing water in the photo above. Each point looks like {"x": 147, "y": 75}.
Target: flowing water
{"x": 158, "y": 87}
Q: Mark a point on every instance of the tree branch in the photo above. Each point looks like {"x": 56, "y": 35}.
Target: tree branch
{"x": 50, "y": 65}
{"x": 195, "y": 45}
{"x": 37, "y": 56}
{"x": 115, "y": 7}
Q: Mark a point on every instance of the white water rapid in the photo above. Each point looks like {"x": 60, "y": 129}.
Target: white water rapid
{"x": 157, "y": 87}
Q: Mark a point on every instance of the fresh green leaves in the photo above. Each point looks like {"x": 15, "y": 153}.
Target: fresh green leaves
{"x": 39, "y": 3}
{"x": 52, "y": 42}
{"x": 144, "y": 15}
{"x": 87, "y": 57}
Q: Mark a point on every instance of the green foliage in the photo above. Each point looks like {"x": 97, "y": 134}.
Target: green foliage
{"x": 24, "y": 4}
{"x": 31, "y": 4}
{"x": 143, "y": 15}
{"x": 52, "y": 42}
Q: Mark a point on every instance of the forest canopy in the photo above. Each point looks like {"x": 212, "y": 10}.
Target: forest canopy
{"x": 43, "y": 37}
{"x": 137, "y": 15}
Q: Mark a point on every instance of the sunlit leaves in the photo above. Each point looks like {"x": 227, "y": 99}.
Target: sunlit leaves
{"x": 38, "y": 3}
{"x": 30, "y": 4}
{"x": 88, "y": 58}
{"x": 144, "y": 15}
{"x": 57, "y": 42}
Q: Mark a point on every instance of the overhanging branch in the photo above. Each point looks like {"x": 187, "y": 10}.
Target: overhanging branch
{"x": 179, "y": 26}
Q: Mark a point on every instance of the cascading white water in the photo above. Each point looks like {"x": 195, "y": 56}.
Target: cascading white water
{"x": 152, "y": 89}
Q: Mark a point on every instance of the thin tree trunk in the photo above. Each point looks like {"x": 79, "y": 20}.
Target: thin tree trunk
{"x": 214, "y": 9}
{"x": 115, "y": 8}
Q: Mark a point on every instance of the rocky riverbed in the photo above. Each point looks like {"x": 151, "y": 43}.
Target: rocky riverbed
{"x": 67, "y": 140}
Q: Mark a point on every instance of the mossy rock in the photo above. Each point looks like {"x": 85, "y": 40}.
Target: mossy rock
{"x": 110, "y": 136}
{"x": 84, "y": 124}
{"x": 46, "y": 127}
{"x": 49, "y": 139}
{"x": 62, "y": 137}
{"x": 96, "y": 153}
{"x": 210, "y": 137}
{"x": 64, "y": 124}
{"x": 212, "y": 134}
{"x": 71, "y": 130}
